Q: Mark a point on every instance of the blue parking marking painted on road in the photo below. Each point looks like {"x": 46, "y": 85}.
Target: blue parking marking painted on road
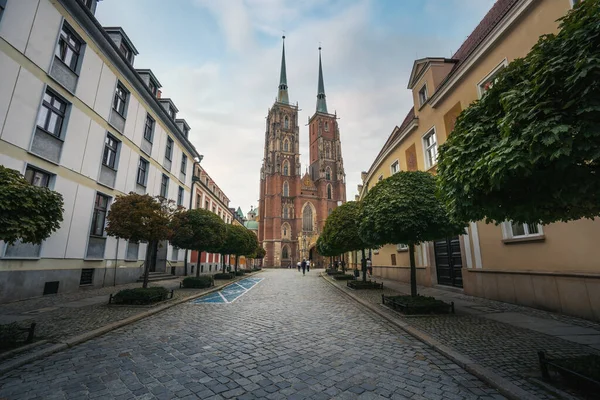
{"x": 231, "y": 293}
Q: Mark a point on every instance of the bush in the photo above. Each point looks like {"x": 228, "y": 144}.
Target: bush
{"x": 331, "y": 272}
{"x": 343, "y": 277}
{"x": 222, "y": 275}
{"x": 256, "y": 269}
{"x": 240, "y": 273}
{"x": 418, "y": 304}
{"x": 365, "y": 285}
{"x": 200, "y": 282}
{"x": 9, "y": 335}
{"x": 141, "y": 295}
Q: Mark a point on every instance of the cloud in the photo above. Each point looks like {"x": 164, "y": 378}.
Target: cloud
{"x": 366, "y": 60}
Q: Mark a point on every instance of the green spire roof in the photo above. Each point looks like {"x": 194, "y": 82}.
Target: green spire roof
{"x": 282, "y": 95}
{"x": 321, "y": 103}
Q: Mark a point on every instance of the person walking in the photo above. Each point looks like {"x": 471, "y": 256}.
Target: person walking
{"x": 299, "y": 265}
{"x": 369, "y": 267}
{"x": 304, "y": 267}
{"x": 308, "y": 265}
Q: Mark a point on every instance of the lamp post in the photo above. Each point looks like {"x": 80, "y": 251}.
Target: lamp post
{"x": 195, "y": 179}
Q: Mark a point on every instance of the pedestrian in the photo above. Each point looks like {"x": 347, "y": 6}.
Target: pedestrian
{"x": 369, "y": 267}
{"x": 308, "y": 265}
{"x": 343, "y": 266}
{"x": 304, "y": 267}
{"x": 299, "y": 264}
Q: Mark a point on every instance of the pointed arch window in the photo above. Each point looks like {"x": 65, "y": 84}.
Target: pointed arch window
{"x": 285, "y": 253}
{"x": 307, "y": 219}
{"x": 285, "y": 231}
{"x": 286, "y": 122}
{"x": 326, "y": 126}
{"x": 286, "y": 145}
{"x": 286, "y": 168}
{"x": 328, "y": 151}
{"x": 286, "y": 189}
{"x": 286, "y": 214}
{"x": 328, "y": 173}
{"x": 329, "y": 194}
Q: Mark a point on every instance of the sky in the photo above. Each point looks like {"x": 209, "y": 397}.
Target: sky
{"x": 219, "y": 61}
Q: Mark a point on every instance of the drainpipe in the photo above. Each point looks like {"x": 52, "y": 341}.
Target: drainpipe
{"x": 195, "y": 179}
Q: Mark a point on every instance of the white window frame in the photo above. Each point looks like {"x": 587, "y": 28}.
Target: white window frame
{"x": 401, "y": 247}
{"x": 396, "y": 162}
{"x": 492, "y": 74}
{"x": 421, "y": 100}
{"x": 430, "y": 163}
{"x": 507, "y": 231}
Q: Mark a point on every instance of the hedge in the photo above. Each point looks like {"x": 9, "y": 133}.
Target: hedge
{"x": 222, "y": 275}
{"x": 240, "y": 273}
{"x": 200, "y": 282}
{"x": 9, "y": 335}
{"x": 343, "y": 277}
{"x": 141, "y": 295}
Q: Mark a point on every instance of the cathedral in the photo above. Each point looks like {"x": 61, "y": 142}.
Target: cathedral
{"x": 294, "y": 205}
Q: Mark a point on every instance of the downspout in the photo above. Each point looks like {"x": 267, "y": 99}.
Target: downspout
{"x": 194, "y": 180}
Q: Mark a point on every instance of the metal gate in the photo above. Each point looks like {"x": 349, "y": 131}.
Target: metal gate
{"x": 448, "y": 262}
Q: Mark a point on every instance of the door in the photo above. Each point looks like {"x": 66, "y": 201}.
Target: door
{"x": 448, "y": 262}
{"x": 161, "y": 257}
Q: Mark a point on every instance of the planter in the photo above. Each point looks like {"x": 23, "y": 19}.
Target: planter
{"x": 140, "y": 296}
{"x": 331, "y": 272}
{"x": 343, "y": 277}
{"x": 417, "y": 305}
{"x": 581, "y": 372}
{"x": 222, "y": 276}
{"x": 364, "y": 285}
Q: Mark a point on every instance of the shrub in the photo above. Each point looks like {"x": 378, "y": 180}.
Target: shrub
{"x": 256, "y": 269}
{"x": 365, "y": 285}
{"x": 331, "y": 272}
{"x": 240, "y": 273}
{"x": 199, "y": 282}
{"x": 343, "y": 277}
{"x": 418, "y": 304}
{"x": 141, "y": 295}
{"x": 222, "y": 275}
{"x": 9, "y": 335}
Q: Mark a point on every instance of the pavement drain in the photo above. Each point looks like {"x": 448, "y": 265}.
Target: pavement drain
{"x": 230, "y": 293}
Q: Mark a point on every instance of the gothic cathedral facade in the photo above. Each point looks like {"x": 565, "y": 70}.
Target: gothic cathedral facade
{"x": 294, "y": 205}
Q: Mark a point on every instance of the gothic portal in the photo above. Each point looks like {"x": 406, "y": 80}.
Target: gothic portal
{"x": 294, "y": 207}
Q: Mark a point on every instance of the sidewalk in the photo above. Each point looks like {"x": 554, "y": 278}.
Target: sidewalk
{"x": 502, "y": 337}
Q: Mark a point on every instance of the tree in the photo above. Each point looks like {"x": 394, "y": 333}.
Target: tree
{"x": 260, "y": 253}
{"x": 199, "y": 230}
{"x": 404, "y": 209}
{"x": 341, "y": 232}
{"x": 27, "y": 213}
{"x": 529, "y": 150}
{"x": 238, "y": 242}
{"x": 141, "y": 218}
{"x": 253, "y": 245}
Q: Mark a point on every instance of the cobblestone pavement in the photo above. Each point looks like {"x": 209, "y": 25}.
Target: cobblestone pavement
{"x": 58, "y": 318}
{"x": 507, "y": 350}
{"x": 290, "y": 337}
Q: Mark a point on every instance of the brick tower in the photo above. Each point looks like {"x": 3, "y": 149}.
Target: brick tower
{"x": 293, "y": 208}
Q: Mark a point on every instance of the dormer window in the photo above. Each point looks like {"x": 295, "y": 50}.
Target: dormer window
{"x": 126, "y": 51}
{"x": 153, "y": 88}
{"x": 186, "y": 132}
{"x": 172, "y": 112}
{"x": 423, "y": 95}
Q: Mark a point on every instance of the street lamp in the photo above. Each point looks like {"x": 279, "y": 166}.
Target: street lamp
{"x": 195, "y": 179}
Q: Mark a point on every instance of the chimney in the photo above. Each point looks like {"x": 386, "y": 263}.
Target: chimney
{"x": 158, "y": 93}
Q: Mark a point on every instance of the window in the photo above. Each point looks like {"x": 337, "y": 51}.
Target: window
{"x": 329, "y": 195}
{"x": 206, "y": 205}
{"x": 183, "y": 163}
{"x": 401, "y": 247}
{"x": 286, "y": 189}
{"x": 180, "y": 196}
{"x": 286, "y": 145}
{"x": 126, "y": 51}
{"x": 152, "y": 86}
{"x": 164, "y": 186}
{"x": 286, "y": 214}
{"x": 326, "y": 126}
{"x": 207, "y": 181}
{"x": 328, "y": 173}
{"x": 423, "y": 95}
{"x": 132, "y": 251}
{"x": 286, "y": 122}
{"x": 68, "y": 47}
{"x": 380, "y": 178}
{"x": 109, "y": 158}
{"x": 169, "y": 149}
{"x": 171, "y": 112}
{"x": 393, "y": 256}
{"x": 488, "y": 82}
{"x": 395, "y": 167}
{"x": 36, "y": 177}
{"x": 286, "y": 168}
{"x": 52, "y": 114}
{"x": 142, "y": 173}
{"x": 307, "y": 219}
{"x": 515, "y": 230}
{"x": 214, "y": 209}
{"x": 430, "y": 147}
{"x": 87, "y": 276}
{"x": 285, "y": 253}
{"x": 2, "y": 7}
{"x": 120, "y": 100}
{"x": 149, "y": 128}
{"x": 175, "y": 254}
{"x": 99, "y": 215}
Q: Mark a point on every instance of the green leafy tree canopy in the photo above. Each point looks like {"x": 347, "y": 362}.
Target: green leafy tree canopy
{"x": 529, "y": 150}
{"x": 199, "y": 230}
{"x": 27, "y": 213}
{"x": 341, "y": 229}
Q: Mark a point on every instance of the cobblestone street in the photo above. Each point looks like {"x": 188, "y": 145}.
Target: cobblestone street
{"x": 289, "y": 337}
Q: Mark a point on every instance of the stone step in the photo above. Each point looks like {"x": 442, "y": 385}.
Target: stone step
{"x": 158, "y": 276}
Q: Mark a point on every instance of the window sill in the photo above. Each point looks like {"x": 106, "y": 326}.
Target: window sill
{"x": 43, "y": 158}
{"x": 120, "y": 115}
{"x": 22, "y": 258}
{"x": 131, "y": 260}
{"x": 93, "y": 259}
{"x": 66, "y": 66}
{"x": 432, "y": 168}
{"x": 402, "y": 250}
{"x": 527, "y": 239}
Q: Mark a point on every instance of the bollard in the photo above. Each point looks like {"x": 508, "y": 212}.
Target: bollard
{"x": 543, "y": 366}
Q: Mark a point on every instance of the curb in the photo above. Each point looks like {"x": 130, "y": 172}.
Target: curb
{"x": 75, "y": 340}
{"x": 504, "y": 386}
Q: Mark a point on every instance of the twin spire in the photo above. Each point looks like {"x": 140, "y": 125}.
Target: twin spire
{"x": 282, "y": 95}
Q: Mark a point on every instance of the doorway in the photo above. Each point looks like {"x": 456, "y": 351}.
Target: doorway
{"x": 448, "y": 262}
{"x": 161, "y": 257}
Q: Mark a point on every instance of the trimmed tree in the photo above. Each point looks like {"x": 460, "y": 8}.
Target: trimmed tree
{"x": 342, "y": 235}
{"x": 141, "y": 218}
{"x": 199, "y": 230}
{"x": 27, "y": 213}
{"x": 260, "y": 253}
{"x": 238, "y": 242}
{"x": 253, "y": 246}
{"x": 529, "y": 150}
{"x": 404, "y": 209}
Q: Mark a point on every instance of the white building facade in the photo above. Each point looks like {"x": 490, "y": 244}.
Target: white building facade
{"x": 76, "y": 116}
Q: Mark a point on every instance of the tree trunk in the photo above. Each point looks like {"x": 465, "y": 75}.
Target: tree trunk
{"x": 236, "y": 263}
{"x": 198, "y": 263}
{"x": 150, "y": 257}
{"x": 223, "y": 262}
{"x": 363, "y": 264}
{"x": 413, "y": 270}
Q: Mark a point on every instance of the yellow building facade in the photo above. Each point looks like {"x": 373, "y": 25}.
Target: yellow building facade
{"x": 554, "y": 267}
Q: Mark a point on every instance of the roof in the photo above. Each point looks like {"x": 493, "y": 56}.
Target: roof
{"x": 119, "y": 30}
{"x": 152, "y": 76}
{"x": 252, "y": 225}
